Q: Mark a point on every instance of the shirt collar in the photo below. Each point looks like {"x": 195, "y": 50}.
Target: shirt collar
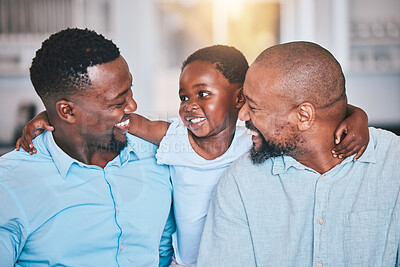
{"x": 369, "y": 154}
{"x": 126, "y": 154}
{"x": 282, "y": 163}
{"x": 63, "y": 161}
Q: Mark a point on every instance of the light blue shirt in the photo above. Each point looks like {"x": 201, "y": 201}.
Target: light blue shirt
{"x": 282, "y": 213}
{"x": 56, "y": 210}
{"x": 194, "y": 179}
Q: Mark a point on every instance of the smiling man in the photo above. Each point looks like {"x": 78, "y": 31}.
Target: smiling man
{"x": 92, "y": 195}
{"x": 289, "y": 202}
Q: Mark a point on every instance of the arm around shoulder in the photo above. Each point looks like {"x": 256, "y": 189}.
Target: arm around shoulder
{"x": 226, "y": 239}
{"x": 352, "y": 134}
{"x": 152, "y": 131}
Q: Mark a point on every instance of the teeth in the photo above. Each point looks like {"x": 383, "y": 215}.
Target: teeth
{"x": 122, "y": 124}
{"x": 253, "y": 133}
{"x": 196, "y": 120}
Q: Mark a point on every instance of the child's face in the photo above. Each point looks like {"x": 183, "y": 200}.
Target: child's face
{"x": 208, "y": 101}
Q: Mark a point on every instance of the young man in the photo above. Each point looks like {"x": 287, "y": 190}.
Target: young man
{"x": 289, "y": 202}
{"x": 92, "y": 195}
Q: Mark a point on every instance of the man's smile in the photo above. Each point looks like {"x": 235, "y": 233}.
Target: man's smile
{"x": 123, "y": 125}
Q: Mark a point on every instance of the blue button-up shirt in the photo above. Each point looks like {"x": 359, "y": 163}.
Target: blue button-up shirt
{"x": 55, "y": 210}
{"x": 282, "y": 213}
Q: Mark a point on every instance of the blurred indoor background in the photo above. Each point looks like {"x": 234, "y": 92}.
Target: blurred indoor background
{"x": 155, "y": 36}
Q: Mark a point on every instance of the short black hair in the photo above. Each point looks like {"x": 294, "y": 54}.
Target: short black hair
{"x": 227, "y": 59}
{"x": 60, "y": 65}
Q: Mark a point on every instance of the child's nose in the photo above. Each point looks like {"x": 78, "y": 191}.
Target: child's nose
{"x": 190, "y": 106}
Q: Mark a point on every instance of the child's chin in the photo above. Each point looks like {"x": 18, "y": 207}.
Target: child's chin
{"x": 199, "y": 133}
{"x": 198, "y": 130}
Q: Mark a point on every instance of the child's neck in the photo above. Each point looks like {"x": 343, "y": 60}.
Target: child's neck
{"x": 212, "y": 147}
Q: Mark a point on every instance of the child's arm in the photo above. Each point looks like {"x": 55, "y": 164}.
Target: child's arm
{"x": 152, "y": 131}
{"x": 33, "y": 128}
{"x": 356, "y": 134}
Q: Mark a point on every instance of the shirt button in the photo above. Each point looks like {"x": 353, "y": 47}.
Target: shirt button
{"x": 105, "y": 170}
{"x": 117, "y": 208}
{"x": 323, "y": 179}
{"x": 320, "y": 221}
{"x": 121, "y": 247}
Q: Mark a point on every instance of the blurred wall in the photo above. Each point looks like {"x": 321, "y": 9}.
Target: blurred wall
{"x": 155, "y": 40}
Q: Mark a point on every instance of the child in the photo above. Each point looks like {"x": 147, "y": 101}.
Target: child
{"x": 206, "y": 141}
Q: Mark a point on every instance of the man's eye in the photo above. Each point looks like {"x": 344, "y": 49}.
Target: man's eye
{"x": 203, "y": 94}
{"x": 120, "y": 104}
{"x": 183, "y": 98}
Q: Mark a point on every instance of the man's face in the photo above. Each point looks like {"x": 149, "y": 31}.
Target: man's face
{"x": 106, "y": 106}
{"x": 268, "y": 114}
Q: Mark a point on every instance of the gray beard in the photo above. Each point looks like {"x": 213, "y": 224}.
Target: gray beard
{"x": 268, "y": 149}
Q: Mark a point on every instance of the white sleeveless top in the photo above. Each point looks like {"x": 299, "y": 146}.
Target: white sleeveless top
{"x": 193, "y": 180}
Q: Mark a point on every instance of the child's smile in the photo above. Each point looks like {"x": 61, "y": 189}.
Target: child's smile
{"x": 195, "y": 122}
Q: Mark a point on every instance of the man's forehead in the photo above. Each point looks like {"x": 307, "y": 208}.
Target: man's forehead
{"x": 111, "y": 74}
{"x": 252, "y": 84}
{"x": 264, "y": 76}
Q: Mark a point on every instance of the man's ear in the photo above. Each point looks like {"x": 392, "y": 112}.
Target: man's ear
{"x": 65, "y": 111}
{"x": 240, "y": 99}
{"x": 305, "y": 116}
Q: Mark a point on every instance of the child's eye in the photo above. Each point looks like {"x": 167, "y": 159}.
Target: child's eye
{"x": 203, "y": 94}
{"x": 183, "y": 97}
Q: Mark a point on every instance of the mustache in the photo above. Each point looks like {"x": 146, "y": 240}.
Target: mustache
{"x": 250, "y": 126}
{"x": 125, "y": 117}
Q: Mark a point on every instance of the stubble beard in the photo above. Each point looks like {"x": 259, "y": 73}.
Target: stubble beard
{"x": 113, "y": 145}
{"x": 117, "y": 145}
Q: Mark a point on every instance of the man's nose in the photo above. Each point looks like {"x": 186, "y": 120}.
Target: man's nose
{"x": 244, "y": 113}
{"x": 131, "y": 107}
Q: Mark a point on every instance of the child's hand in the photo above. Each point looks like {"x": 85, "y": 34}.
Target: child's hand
{"x": 355, "y": 133}
{"x": 33, "y": 128}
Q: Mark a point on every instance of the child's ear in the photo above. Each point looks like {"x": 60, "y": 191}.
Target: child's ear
{"x": 65, "y": 110}
{"x": 240, "y": 99}
{"x": 305, "y": 115}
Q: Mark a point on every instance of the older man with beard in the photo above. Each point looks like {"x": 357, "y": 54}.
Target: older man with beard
{"x": 289, "y": 202}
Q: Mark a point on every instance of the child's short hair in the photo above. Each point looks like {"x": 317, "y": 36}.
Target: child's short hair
{"x": 227, "y": 59}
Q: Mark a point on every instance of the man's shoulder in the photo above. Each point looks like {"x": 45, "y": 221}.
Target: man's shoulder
{"x": 141, "y": 147}
{"x": 244, "y": 169}
{"x": 382, "y": 136}
{"x": 250, "y": 179}
{"x": 243, "y": 160}
{"x": 23, "y": 160}
{"x": 384, "y": 143}
{"x": 12, "y": 160}
{"x": 146, "y": 151}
